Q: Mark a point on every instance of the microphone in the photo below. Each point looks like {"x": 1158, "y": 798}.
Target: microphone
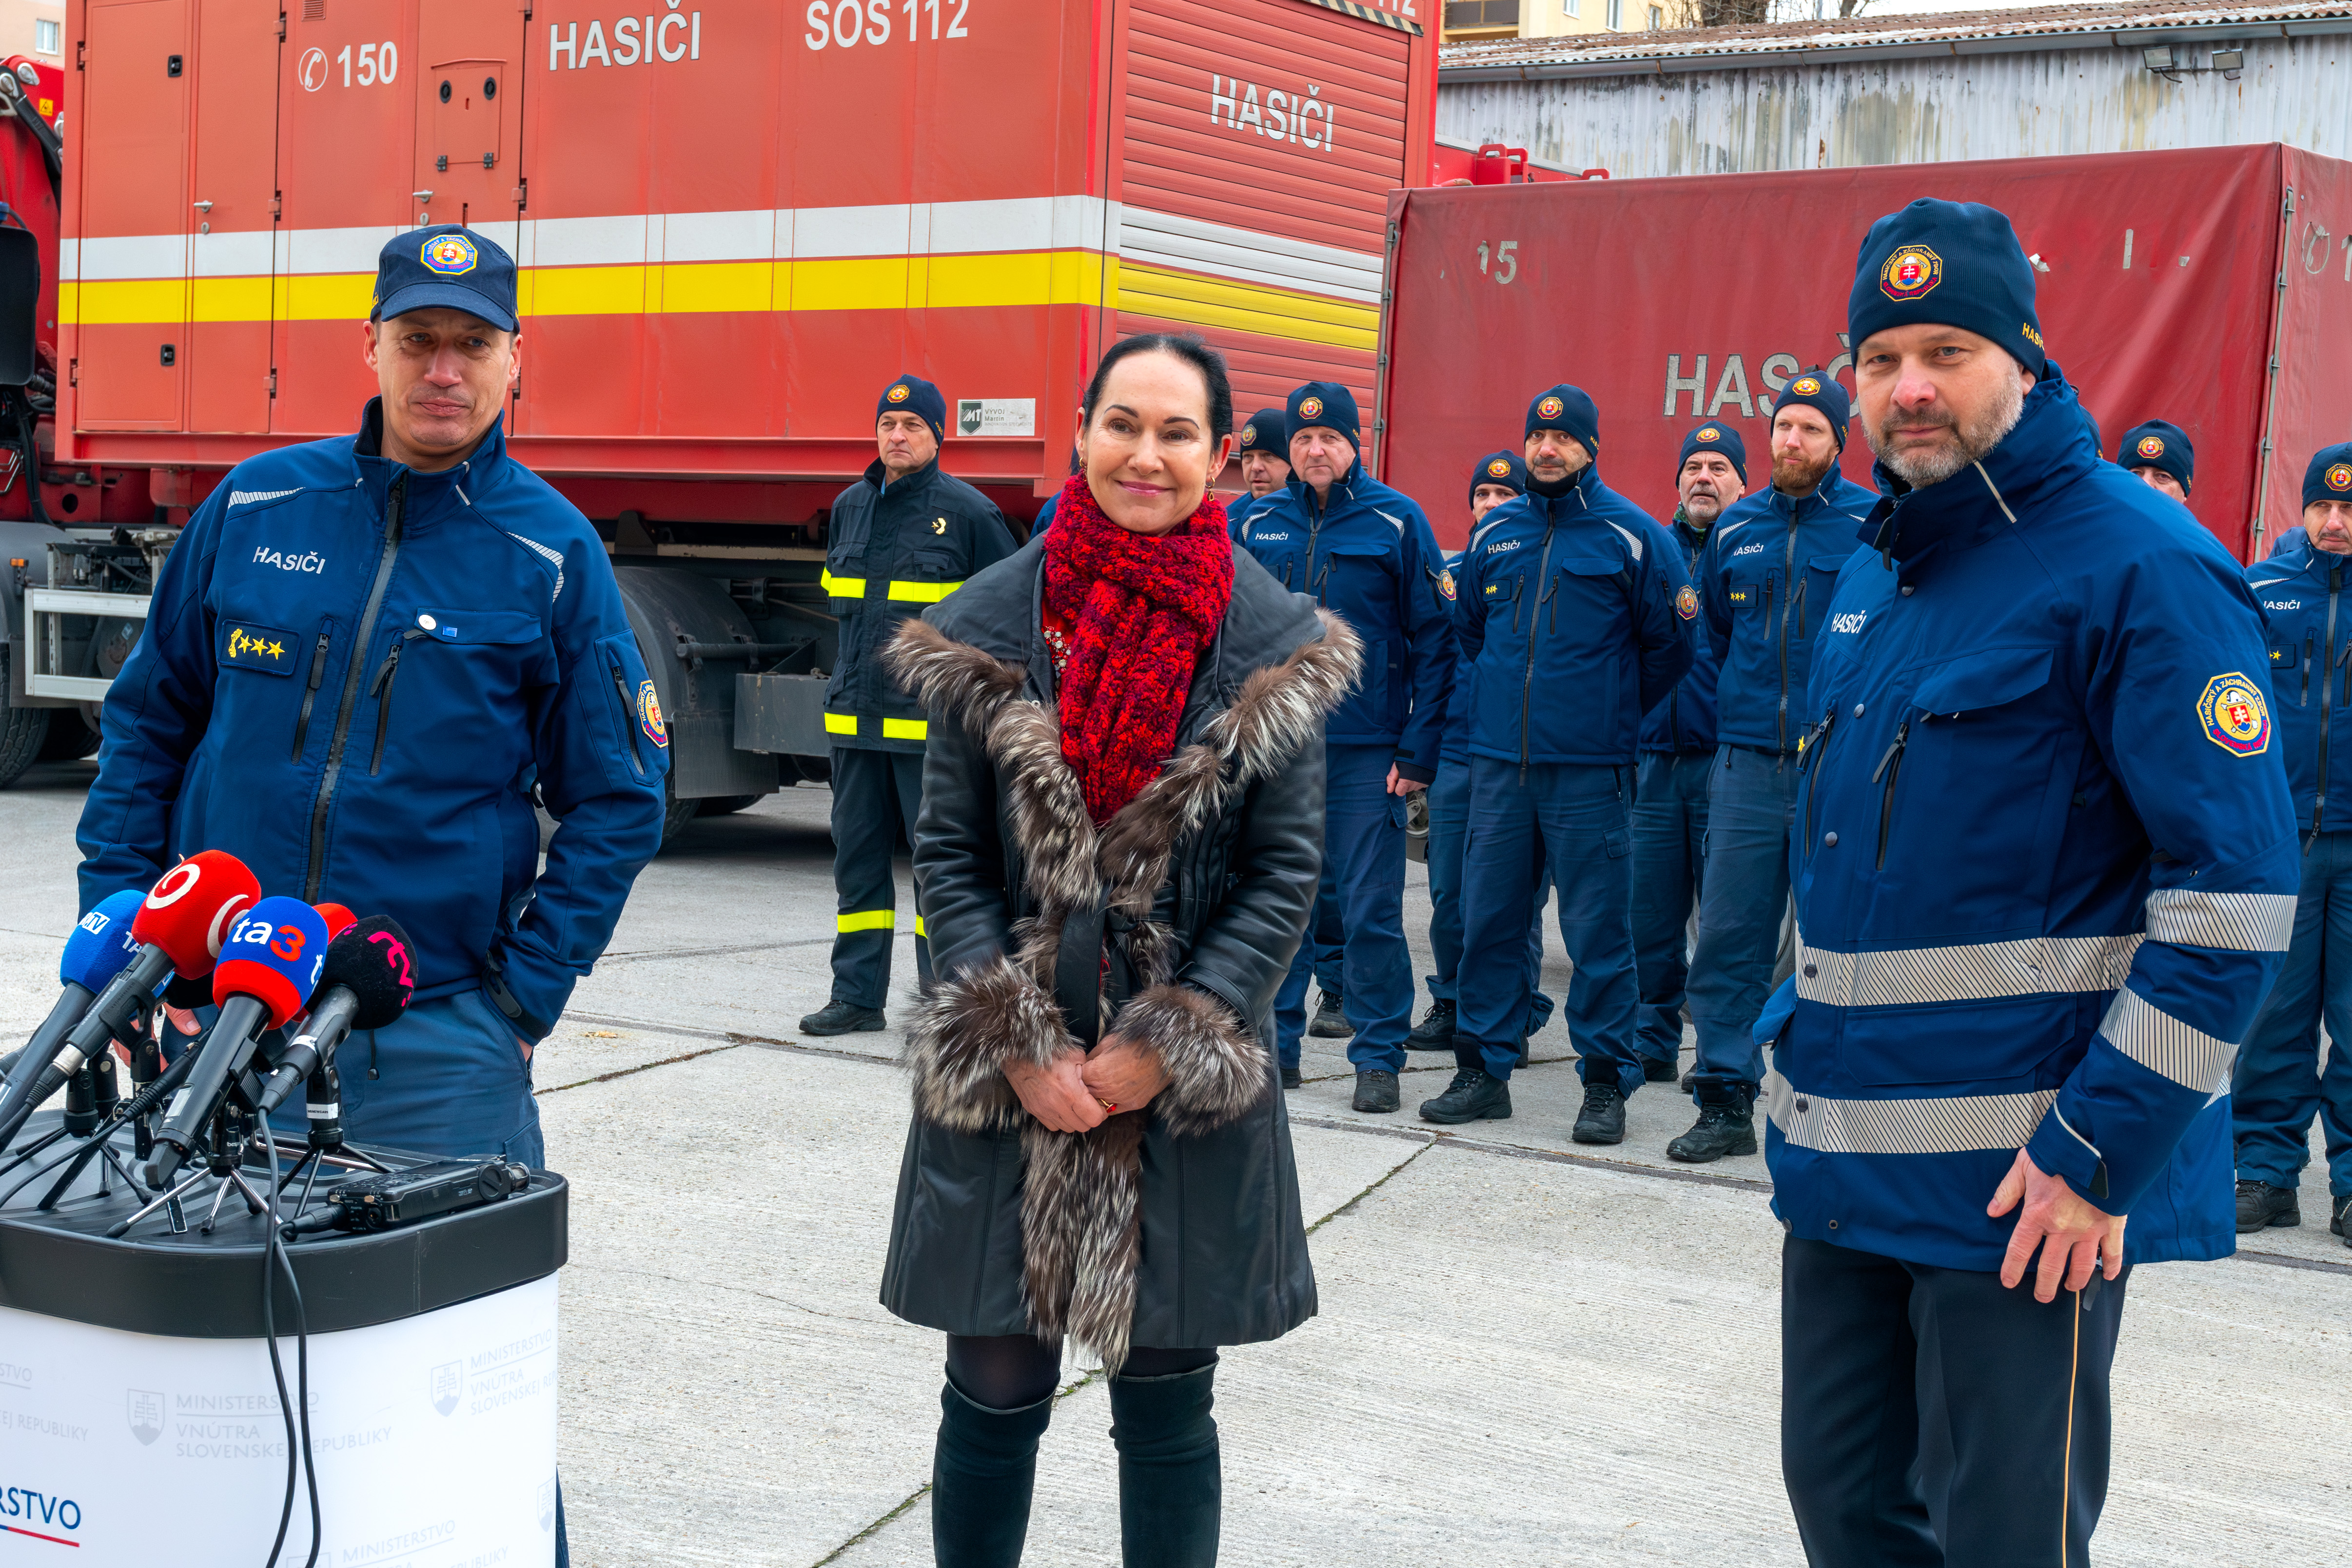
{"x": 269, "y": 963}
{"x": 368, "y": 980}
{"x": 100, "y": 948}
{"x": 178, "y": 927}
{"x": 339, "y": 920}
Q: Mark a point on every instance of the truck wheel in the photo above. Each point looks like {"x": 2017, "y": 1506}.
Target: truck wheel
{"x": 726, "y": 805}
{"x": 70, "y": 737}
{"x": 22, "y": 731}
{"x": 675, "y": 814}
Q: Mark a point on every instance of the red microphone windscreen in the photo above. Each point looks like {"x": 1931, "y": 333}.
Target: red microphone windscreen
{"x": 188, "y": 912}
{"x": 338, "y": 919}
{"x": 273, "y": 955}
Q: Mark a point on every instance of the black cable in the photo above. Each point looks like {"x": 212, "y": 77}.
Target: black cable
{"x": 301, "y": 1378}
{"x": 277, "y": 1367}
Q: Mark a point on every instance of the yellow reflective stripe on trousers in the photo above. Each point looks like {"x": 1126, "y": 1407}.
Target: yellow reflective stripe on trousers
{"x": 844, "y": 588}
{"x": 867, "y": 920}
{"x": 905, "y": 730}
{"x": 922, "y": 592}
{"x": 841, "y": 723}
{"x": 919, "y": 928}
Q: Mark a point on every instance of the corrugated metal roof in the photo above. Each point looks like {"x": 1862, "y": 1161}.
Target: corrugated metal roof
{"x": 1848, "y": 37}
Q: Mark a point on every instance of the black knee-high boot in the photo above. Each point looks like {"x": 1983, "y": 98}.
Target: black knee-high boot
{"x": 1171, "y": 1488}
{"x": 982, "y": 1473}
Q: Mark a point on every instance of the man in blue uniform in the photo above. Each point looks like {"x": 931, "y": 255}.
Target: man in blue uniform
{"x": 1495, "y": 478}
{"x": 1677, "y": 756}
{"x": 2047, "y": 866}
{"x": 2159, "y": 453}
{"x": 1764, "y": 583}
{"x": 905, "y": 536}
{"x": 362, "y": 654}
{"x": 2279, "y": 1086}
{"x": 1263, "y": 453}
{"x": 1365, "y": 550}
{"x": 1574, "y": 623}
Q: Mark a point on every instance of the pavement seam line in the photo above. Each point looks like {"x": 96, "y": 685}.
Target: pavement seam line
{"x": 1385, "y": 1178}
{"x": 627, "y": 1072}
{"x": 916, "y": 1497}
{"x": 732, "y": 1038}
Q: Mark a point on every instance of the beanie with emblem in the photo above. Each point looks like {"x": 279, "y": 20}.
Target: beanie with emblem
{"x": 1267, "y": 431}
{"x": 2329, "y": 478}
{"x": 1953, "y": 264}
{"x": 1815, "y": 390}
{"x": 1718, "y": 437}
{"x": 1506, "y": 468}
{"x": 1324, "y": 403}
{"x": 913, "y": 395}
{"x": 1570, "y": 410}
{"x": 2159, "y": 444}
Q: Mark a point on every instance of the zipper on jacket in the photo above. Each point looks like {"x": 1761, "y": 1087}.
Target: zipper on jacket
{"x": 1888, "y": 767}
{"x": 1809, "y": 747}
{"x": 1528, "y": 681}
{"x": 310, "y": 693}
{"x": 1788, "y": 603}
{"x": 2326, "y": 690}
{"x": 381, "y": 690}
{"x": 628, "y": 715}
{"x": 1323, "y": 585}
{"x": 1552, "y": 598}
{"x": 2307, "y": 669}
{"x": 395, "y": 501}
{"x": 1798, "y": 599}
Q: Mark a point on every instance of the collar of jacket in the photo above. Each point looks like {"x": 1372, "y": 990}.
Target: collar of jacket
{"x": 2053, "y": 446}
{"x": 1342, "y": 490}
{"x": 1824, "y": 496}
{"x": 428, "y": 495}
{"x": 876, "y": 473}
{"x": 1692, "y": 540}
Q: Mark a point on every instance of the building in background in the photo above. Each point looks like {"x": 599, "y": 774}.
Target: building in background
{"x": 1468, "y": 21}
{"x": 35, "y": 27}
{"x": 1908, "y": 89}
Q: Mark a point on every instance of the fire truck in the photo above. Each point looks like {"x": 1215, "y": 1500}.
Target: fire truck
{"x": 735, "y": 221}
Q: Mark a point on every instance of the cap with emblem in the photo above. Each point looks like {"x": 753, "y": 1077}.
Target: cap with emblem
{"x": 1506, "y": 468}
{"x": 913, "y": 395}
{"x": 2329, "y": 476}
{"x": 1267, "y": 431}
{"x": 446, "y": 266}
{"x": 1569, "y": 410}
{"x": 2159, "y": 444}
{"x": 1954, "y": 264}
{"x": 1814, "y": 389}
{"x": 1716, "y": 437}
{"x": 1326, "y": 404}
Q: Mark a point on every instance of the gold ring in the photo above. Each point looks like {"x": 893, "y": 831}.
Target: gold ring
{"x": 1106, "y": 1104}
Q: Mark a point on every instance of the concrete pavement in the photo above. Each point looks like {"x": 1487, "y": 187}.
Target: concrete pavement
{"x": 1529, "y": 1353}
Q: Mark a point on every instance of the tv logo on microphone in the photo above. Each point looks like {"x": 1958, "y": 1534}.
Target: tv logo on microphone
{"x": 94, "y": 922}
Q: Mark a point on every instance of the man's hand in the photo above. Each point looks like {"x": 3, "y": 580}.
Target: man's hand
{"x": 2073, "y": 1236}
{"x": 1403, "y": 786}
{"x": 1126, "y": 1074}
{"x": 526, "y": 1046}
{"x": 1057, "y": 1096}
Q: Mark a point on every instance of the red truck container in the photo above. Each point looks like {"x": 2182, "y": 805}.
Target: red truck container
{"x": 736, "y": 221}
{"x": 2213, "y": 288}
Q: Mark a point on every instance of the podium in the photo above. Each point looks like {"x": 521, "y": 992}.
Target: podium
{"x": 140, "y": 1424}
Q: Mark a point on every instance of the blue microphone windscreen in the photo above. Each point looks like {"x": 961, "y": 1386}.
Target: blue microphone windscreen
{"x": 101, "y": 946}
{"x": 273, "y": 953}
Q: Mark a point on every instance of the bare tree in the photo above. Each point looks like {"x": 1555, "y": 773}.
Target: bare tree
{"x": 1852, "y": 7}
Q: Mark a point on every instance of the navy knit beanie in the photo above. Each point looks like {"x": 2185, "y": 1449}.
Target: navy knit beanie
{"x": 913, "y": 395}
{"x": 1957, "y": 264}
{"x": 1716, "y": 437}
{"x": 2329, "y": 478}
{"x": 1814, "y": 389}
{"x": 1567, "y": 410}
{"x": 1323, "y": 403}
{"x": 1267, "y": 431}
{"x": 1506, "y": 468}
{"x": 2159, "y": 444}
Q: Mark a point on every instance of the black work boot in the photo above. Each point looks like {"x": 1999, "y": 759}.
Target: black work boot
{"x": 1602, "y": 1120}
{"x": 1331, "y": 1023}
{"x": 983, "y": 1470}
{"x": 1171, "y": 1485}
{"x": 1290, "y": 1078}
{"x": 2342, "y": 1210}
{"x": 1656, "y": 1071}
{"x": 1725, "y": 1124}
{"x": 1435, "y": 1031}
{"x": 1475, "y": 1095}
{"x": 2262, "y": 1205}
{"x": 837, "y": 1018}
{"x": 1376, "y": 1089}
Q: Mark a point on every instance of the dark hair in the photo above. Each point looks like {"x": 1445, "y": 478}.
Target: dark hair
{"x": 1184, "y": 346}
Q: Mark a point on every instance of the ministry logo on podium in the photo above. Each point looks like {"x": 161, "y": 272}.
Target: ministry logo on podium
{"x": 547, "y": 1504}
{"x": 143, "y": 1407}
{"x": 448, "y": 1383}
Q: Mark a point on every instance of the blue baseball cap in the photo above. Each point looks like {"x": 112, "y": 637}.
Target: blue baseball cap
{"x": 444, "y": 265}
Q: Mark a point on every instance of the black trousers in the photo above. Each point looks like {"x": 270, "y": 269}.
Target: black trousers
{"x": 1930, "y": 1416}
{"x": 876, "y": 795}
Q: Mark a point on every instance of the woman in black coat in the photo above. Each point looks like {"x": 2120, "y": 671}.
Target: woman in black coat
{"x": 1117, "y": 848}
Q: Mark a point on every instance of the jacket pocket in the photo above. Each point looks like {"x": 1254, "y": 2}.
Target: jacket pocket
{"x": 1964, "y": 711}
{"x": 1994, "y": 1045}
{"x": 638, "y": 737}
{"x": 314, "y": 675}
{"x": 1814, "y": 592}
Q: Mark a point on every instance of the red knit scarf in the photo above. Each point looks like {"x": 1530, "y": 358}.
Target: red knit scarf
{"x": 1139, "y": 609}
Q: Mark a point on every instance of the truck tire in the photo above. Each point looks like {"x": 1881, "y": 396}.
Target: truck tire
{"x": 70, "y": 737}
{"x": 726, "y": 805}
{"x": 22, "y": 730}
{"x": 675, "y": 814}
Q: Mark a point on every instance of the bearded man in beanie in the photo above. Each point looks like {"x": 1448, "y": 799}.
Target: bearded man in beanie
{"x": 905, "y": 536}
{"x": 1678, "y": 743}
{"x": 1764, "y": 581}
{"x": 1355, "y": 546}
{"x": 2159, "y": 452}
{"x": 2280, "y": 1085}
{"x": 2046, "y": 870}
{"x": 1574, "y": 620}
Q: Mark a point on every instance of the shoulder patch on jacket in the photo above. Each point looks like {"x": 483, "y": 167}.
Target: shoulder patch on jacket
{"x": 2234, "y": 716}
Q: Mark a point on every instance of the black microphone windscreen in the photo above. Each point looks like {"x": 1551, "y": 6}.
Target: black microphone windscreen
{"x": 373, "y": 960}
{"x": 188, "y": 994}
